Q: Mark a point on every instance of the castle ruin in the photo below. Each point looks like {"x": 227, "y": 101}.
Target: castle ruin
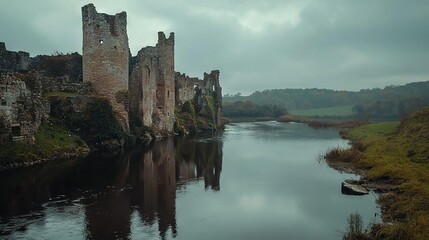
{"x": 144, "y": 89}
{"x": 152, "y": 84}
{"x": 149, "y": 79}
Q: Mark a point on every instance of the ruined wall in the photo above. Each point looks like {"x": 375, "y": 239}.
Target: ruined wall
{"x": 195, "y": 89}
{"x": 13, "y": 61}
{"x": 152, "y": 85}
{"x": 22, "y": 107}
{"x": 66, "y": 66}
{"x": 185, "y": 88}
{"x": 143, "y": 81}
{"x": 106, "y": 58}
{"x": 212, "y": 86}
{"x": 165, "y": 100}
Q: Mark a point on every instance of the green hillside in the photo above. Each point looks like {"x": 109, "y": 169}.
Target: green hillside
{"x": 340, "y": 111}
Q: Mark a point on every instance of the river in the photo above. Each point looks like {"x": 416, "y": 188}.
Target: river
{"x": 257, "y": 180}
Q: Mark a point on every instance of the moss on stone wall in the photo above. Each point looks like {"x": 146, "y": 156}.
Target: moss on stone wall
{"x": 188, "y": 120}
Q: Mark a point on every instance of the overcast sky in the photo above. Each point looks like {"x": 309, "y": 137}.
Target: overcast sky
{"x": 256, "y": 44}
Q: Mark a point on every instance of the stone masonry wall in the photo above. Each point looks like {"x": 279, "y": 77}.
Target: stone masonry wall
{"x": 22, "y": 107}
{"x": 152, "y": 85}
{"x": 143, "y": 80}
{"x": 185, "y": 88}
{"x": 165, "y": 91}
{"x": 212, "y": 86}
{"x": 13, "y": 61}
{"x": 106, "y": 58}
{"x": 188, "y": 88}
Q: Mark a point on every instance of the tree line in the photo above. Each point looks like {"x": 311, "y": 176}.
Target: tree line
{"x": 389, "y": 102}
{"x": 250, "y": 109}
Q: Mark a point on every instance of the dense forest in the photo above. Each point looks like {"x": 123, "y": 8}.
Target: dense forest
{"x": 250, "y": 109}
{"x": 389, "y": 102}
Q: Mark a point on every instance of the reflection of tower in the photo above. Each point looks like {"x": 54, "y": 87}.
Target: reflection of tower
{"x": 213, "y": 166}
{"x": 156, "y": 171}
{"x": 166, "y": 167}
{"x": 109, "y": 216}
{"x": 200, "y": 159}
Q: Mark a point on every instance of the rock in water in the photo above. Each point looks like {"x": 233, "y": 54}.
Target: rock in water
{"x": 352, "y": 189}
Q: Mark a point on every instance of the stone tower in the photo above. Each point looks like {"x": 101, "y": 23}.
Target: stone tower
{"x": 106, "y": 58}
{"x": 165, "y": 99}
{"x": 152, "y": 85}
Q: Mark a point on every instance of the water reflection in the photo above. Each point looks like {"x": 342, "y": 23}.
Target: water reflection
{"x": 108, "y": 190}
{"x": 272, "y": 188}
{"x": 202, "y": 159}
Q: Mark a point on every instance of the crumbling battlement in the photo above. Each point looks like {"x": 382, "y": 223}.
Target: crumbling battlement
{"x": 11, "y": 61}
{"x": 106, "y": 58}
{"x": 186, "y": 87}
{"x": 67, "y": 66}
{"x": 191, "y": 88}
{"x": 152, "y": 85}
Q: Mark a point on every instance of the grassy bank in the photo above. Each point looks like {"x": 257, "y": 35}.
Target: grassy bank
{"x": 393, "y": 157}
{"x": 315, "y": 123}
{"x": 51, "y": 141}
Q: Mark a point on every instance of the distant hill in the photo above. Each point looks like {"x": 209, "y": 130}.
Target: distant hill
{"x": 389, "y": 102}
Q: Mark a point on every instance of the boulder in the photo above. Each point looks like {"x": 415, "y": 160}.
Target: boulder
{"x": 352, "y": 189}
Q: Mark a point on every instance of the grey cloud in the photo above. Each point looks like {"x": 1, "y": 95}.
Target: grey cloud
{"x": 255, "y": 44}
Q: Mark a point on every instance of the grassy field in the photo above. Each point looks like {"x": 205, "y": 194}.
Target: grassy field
{"x": 397, "y": 155}
{"x": 340, "y": 111}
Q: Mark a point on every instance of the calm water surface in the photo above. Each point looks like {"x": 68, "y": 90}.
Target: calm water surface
{"x": 254, "y": 181}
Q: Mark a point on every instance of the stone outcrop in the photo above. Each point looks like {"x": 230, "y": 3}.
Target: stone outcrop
{"x": 348, "y": 188}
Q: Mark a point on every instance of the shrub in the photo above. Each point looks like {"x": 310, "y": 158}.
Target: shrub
{"x": 355, "y": 228}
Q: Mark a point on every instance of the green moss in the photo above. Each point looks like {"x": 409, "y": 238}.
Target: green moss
{"x": 99, "y": 123}
{"x": 50, "y": 140}
{"x": 179, "y": 124}
{"x": 211, "y": 110}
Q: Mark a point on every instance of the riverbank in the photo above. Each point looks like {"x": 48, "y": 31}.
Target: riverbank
{"x": 51, "y": 142}
{"x": 343, "y": 123}
{"x": 249, "y": 119}
{"x": 393, "y": 160}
